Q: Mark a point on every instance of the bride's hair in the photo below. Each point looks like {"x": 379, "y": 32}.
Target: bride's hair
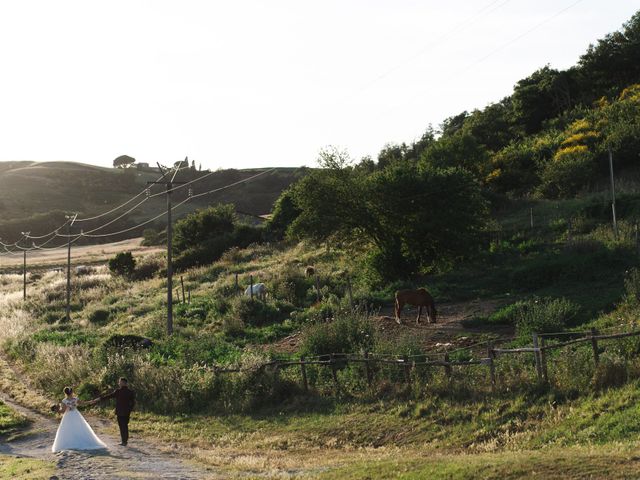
{"x": 68, "y": 390}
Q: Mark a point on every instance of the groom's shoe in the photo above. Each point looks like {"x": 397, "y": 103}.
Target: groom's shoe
{"x": 124, "y": 444}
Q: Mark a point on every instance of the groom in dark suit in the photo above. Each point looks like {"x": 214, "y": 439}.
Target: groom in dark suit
{"x": 125, "y": 401}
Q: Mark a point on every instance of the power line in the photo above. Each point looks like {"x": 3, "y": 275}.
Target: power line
{"x": 431, "y": 46}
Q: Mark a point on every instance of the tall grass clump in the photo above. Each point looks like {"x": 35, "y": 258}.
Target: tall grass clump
{"x": 349, "y": 332}
{"x": 544, "y": 315}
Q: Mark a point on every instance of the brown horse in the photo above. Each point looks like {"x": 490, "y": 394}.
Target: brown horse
{"x": 418, "y": 298}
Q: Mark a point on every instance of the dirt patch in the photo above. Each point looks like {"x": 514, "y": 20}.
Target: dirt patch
{"x": 449, "y": 332}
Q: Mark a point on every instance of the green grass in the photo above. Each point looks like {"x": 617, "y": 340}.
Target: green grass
{"x": 25, "y": 468}
{"x": 9, "y": 420}
{"x": 565, "y": 463}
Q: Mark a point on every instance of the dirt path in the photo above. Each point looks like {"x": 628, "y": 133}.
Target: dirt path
{"x": 140, "y": 460}
{"x": 449, "y": 332}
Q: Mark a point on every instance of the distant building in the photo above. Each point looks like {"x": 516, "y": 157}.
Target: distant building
{"x": 142, "y": 166}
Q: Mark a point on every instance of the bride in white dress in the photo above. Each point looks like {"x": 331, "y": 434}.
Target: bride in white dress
{"x": 74, "y": 433}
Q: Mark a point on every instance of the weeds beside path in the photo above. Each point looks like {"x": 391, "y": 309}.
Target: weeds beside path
{"x": 140, "y": 460}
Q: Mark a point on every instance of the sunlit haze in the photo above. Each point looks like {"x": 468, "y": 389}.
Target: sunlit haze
{"x": 253, "y": 83}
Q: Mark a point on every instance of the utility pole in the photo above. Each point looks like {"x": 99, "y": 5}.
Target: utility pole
{"x": 169, "y": 186}
{"x": 70, "y": 220}
{"x": 613, "y": 195}
{"x": 24, "y": 269}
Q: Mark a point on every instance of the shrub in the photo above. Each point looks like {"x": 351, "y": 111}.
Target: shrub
{"x": 348, "y": 333}
{"x": 544, "y": 315}
{"x": 258, "y": 313}
{"x": 567, "y": 174}
{"x": 122, "y": 264}
{"x": 147, "y": 267}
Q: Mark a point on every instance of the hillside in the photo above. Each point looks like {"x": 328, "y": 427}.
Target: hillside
{"x": 259, "y": 420}
{"x": 36, "y": 195}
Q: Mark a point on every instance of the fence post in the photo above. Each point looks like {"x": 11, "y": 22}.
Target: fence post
{"x": 189, "y": 292}
{"x": 536, "y": 355}
{"x": 303, "y": 370}
{"x": 182, "y": 283}
{"x": 349, "y": 292}
{"x": 367, "y": 368}
{"x": 531, "y": 217}
{"x": 251, "y": 286}
{"x": 334, "y": 373}
{"x": 407, "y": 369}
{"x": 594, "y": 345}
{"x": 447, "y": 366}
{"x": 492, "y": 367}
{"x": 237, "y": 286}
{"x": 543, "y": 360}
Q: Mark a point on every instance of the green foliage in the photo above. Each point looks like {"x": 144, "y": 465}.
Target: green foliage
{"x": 568, "y": 175}
{"x": 123, "y": 264}
{"x": 284, "y": 213}
{"x": 461, "y": 150}
{"x": 438, "y": 216}
{"x": 347, "y": 333}
{"x": 257, "y": 313}
{"x": 544, "y": 315}
{"x": 205, "y": 235}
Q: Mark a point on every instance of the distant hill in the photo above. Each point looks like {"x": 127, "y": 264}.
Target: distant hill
{"x": 35, "y": 196}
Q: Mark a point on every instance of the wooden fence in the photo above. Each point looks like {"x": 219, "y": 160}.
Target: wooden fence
{"x": 406, "y": 364}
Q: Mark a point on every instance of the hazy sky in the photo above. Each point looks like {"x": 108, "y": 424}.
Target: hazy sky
{"x": 251, "y": 83}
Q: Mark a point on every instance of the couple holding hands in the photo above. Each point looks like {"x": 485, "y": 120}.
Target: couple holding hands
{"x": 74, "y": 433}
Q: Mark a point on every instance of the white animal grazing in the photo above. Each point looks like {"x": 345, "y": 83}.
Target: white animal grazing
{"x": 259, "y": 290}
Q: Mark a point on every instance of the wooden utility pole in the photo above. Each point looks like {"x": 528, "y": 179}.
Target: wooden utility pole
{"x": 613, "y": 195}
{"x": 169, "y": 186}
{"x": 70, "y": 220}
{"x": 24, "y": 269}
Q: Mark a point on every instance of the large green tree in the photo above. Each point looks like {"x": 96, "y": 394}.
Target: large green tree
{"x": 413, "y": 217}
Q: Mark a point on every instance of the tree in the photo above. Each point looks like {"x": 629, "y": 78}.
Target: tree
{"x": 284, "y": 214}
{"x": 414, "y": 218}
{"x": 613, "y": 63}
{"x": 459, "y": 150}
{"x": 124, "y": 161}
{"x": 123, "y": 264}
{"x": 543, "y": 95}
{"x": 203, "y": 236}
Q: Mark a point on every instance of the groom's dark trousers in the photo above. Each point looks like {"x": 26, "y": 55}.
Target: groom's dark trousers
{"x": 125, "y": 401}
{"x": 123, "y": 423}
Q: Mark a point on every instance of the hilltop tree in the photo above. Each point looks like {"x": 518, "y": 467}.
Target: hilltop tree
{"x": 124, "y": 161}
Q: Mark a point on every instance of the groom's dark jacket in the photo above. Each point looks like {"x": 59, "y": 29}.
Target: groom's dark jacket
{"x": 125, "y": 400}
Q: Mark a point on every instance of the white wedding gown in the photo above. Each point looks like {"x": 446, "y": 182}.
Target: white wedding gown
{"x": 74, "y": 433}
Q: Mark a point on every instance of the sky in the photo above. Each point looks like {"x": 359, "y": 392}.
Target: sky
{"x": 249, "y": 83}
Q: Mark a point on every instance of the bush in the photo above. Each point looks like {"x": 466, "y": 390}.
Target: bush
{"x": 147, "y": 267}
{"x": 567, "y": 174}
{"x": 348, "y": 333}
{"x": 544, "y": 315}
{"x": 122, "y": 264}
{"x": 258, "y": 313}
